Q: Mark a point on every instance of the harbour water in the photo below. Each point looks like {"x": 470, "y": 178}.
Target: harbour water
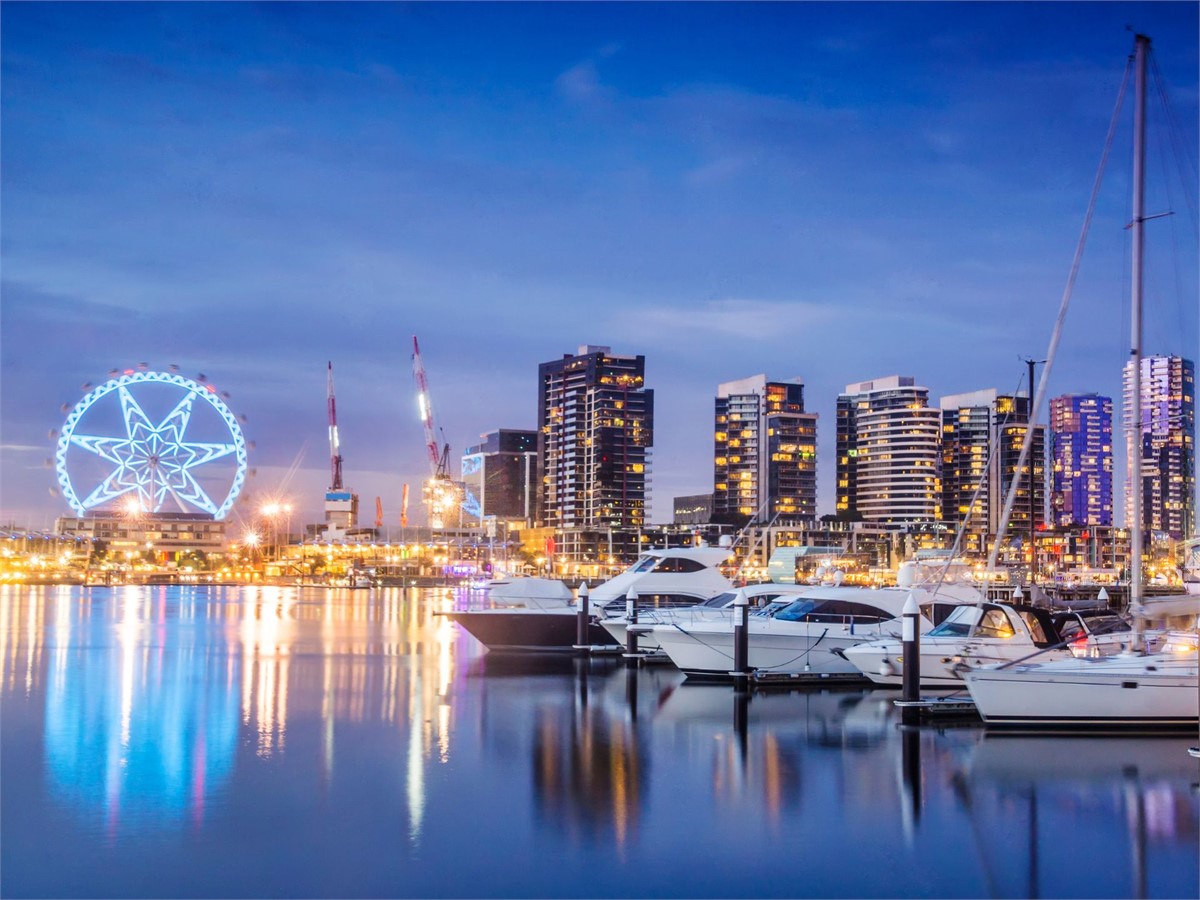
{"x": 278, "y": 741}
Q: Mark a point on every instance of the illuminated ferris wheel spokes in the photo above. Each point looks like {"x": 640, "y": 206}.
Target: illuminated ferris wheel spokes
{"x": 155, "y": 461}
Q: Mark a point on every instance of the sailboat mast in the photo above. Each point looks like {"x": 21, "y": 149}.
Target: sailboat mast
{"x": 1141, "y": 51}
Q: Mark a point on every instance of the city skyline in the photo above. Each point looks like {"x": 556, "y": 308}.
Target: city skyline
{"x": 834, "y": 192}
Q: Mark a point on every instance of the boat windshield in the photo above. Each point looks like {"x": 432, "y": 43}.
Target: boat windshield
{"x": 832, "y": 612}
{"x": 644, "y": 565}
{"x": 675, "y": 564}
{"x": 723, "y": 599}
{"x": 796, "y": 610}
{"x": 989, "y": 621}
{"x": 772, "y": 608}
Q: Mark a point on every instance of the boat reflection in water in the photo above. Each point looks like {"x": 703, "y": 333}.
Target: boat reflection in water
{"x": 1130, "y": 799}
{"x": 579, "y": 718}
{"x": 179, "y": 741}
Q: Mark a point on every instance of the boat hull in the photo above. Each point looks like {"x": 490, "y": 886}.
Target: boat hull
{"x": 941, "y": 661}
{"x": 1140, "y": 692}
{"x": 707, "y": 654}
{"x": 522, "y": 630}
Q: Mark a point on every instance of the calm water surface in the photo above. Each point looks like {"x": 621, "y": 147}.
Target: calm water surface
{"x": 261, "y": 742}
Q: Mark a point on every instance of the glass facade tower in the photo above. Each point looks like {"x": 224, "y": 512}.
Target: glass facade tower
{"x": 765, "y": 452}
{"x": 982, "y": 434}
{"x": 1166, "y": 438}
{"x": 888, "y": 452}
{"x": 498, "y": 476}
{"x": 1081, "y": 460}
{"x": 595, "y": 431}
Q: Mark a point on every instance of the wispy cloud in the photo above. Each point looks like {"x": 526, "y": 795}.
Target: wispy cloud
{"x": 580, "y": 83}
{"x": 759, "y": 320}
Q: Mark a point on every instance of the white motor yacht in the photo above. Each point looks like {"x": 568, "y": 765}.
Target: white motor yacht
{"x": 1129, "y": 689}
{"x": 531, "y": 593}
{"x": 804, "y": 633}
{"x": 718, "y": 608}
{"x": 666, "y": 578}
{"x": 978, "y": 635}
{"x": 661, "y": 578}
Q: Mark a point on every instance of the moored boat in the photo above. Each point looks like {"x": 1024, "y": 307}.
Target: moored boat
{"x": 988, "y": 634}
{"x": 660, "y": 578}
{"x": 805, "y": 633}
{"x": 1144, "y": 690}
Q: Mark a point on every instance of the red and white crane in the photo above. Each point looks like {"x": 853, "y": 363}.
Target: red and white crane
{"x": 437, "y": 459}
{"x": 441, "y": 494}
{"x": 335, "y": 447}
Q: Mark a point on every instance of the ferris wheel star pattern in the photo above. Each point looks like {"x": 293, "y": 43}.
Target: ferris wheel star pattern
{"x": 153, "y": 461}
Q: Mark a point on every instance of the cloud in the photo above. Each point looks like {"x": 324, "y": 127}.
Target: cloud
{"x": 759, "y": 320}
{"x": 26, "y": 304}
{"x": 580, "y": 83}
{"x": 716, "y": 171}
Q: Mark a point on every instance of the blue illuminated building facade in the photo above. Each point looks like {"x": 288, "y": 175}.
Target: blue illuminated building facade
{"x": 499, "y": 474}
{"x": 1166, "y": 437}
{"x": 1081, "y": 460}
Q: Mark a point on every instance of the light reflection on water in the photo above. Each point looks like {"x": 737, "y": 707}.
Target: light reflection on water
{"x": 164, "y": 741}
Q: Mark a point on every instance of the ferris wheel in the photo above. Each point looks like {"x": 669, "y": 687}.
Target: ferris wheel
{"x": 152, "y": 438}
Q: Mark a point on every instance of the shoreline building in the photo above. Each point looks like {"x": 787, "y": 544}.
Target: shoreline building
{"x": 1081, "y": 460}
{"x": 888, "y": 452}
{"x": 1167, "y": 439}
{"x": 498, "y": 476}
{"x": 765, "y": 452}
{"x": 982, "y": 433}
{"x": 595, "y": 431}
{"x": 165, "y": 536}
{"x": 692, "y": 509}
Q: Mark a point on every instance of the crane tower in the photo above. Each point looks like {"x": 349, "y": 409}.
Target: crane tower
{"x": 441, "y": 494}
{"x": 335, "y": 446}
{"x": 341, "y": 505}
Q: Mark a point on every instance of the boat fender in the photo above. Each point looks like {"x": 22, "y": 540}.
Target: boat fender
{"x": 886, "y": 669}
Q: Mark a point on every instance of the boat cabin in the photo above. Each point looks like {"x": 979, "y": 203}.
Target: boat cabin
{"x": 999, "y": 621}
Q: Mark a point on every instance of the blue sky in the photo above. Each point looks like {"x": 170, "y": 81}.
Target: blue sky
{"x": 831, "y": 191}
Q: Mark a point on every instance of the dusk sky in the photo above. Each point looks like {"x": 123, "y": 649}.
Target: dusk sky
{"x": 835, "y": 192}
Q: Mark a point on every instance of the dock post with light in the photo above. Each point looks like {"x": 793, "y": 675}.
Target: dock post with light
{"x": 741, "y": 641}
{"x": 911, "y": 673}
{"x": 631, "y": 637}
{"x": 582, "y": 617}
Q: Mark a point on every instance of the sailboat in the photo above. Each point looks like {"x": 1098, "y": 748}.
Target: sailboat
{"x": 1135, "y": 688}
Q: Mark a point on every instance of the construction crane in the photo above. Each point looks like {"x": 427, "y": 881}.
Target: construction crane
{"x": 440, "y": 493}
{"x": 335, "y": 447}
{"x": 341, "y": 505}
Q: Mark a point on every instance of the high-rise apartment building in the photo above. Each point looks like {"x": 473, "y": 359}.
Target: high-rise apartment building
{"x": 982, "y": 434}
{"x": 595, "y": 431}
{"x": 765, "y": 452}
{"x": 888, "y": 452}
{"x": 499, "y": 476}
{"x": 1167, "y": 441}
{"x": 1081, "y": 460}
